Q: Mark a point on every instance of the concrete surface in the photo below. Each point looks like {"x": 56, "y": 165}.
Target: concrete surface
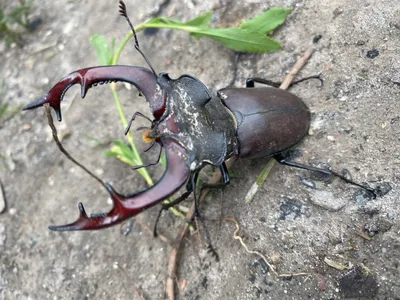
{"x": 356, "y": 126}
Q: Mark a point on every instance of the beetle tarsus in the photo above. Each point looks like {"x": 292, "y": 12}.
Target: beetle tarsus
{"x": 280, "y": 158}
{"x": 225, "y": 179}
{"x": 251, "y": 81}
{"x": 210, "y": 248}
{"x": 189, "y": 190}
{"x": 150, "y": 164}
{"x": 166, "y": 206}
{"x": 318, "y": 77}
{"x": 138, "y": 113}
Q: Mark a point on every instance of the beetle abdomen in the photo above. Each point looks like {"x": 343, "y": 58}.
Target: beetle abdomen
{"x": 269, "y": 120}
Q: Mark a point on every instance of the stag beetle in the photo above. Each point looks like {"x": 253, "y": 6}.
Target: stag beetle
{"x": 195, "y": 127}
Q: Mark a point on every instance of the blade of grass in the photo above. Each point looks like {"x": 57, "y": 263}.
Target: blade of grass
{"x": 259, "y": 181}
{"x": 142, "y": 171}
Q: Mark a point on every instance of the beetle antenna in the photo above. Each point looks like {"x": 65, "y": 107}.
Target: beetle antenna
{"x": 122, "y": 11}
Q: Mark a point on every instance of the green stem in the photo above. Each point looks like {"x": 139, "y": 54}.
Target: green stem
{"x": 138, "y": 160}
{"x": 124, "y": 122}
{"x": 143, "y": 26}
{"x": 124, "y": 42}
{"x": 142, "y": 171}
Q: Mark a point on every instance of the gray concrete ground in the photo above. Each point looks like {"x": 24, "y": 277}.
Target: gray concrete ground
{"x": 356, "y": 126}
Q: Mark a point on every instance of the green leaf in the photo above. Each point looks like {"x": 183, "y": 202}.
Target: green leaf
{"x": 122, "y": 152}
{"x": 239, "y": 39}
{"x": 242, "y": 40}
{"x": 199, "y": 22}
{"x": 163, "y": 23}
{"x": 163, "y": 160}
{"x": 202, "y": 21}
{"x": 267, "y": 21}
{"x": 104, "y": 52}
{"x": 3, "y": 110}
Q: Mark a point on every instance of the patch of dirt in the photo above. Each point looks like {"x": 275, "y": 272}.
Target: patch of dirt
{"x": 355, "y": 127}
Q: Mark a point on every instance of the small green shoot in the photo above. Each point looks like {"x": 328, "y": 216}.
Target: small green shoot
{"x": 98, "y": 143}
{"x": 123, "y": 152}
{"x": 104, "y": 52}
{"x": 250, "y": 36}
{"x": 259, "y": 181}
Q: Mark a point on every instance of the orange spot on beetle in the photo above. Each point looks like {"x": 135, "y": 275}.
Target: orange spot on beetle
{"x": 146, "y": 138}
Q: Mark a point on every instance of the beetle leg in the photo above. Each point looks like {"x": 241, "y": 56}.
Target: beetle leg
{"x": 142, "y": 78}
{"x": 167, "y": 206}
{"x": 150, "y": 164}
{"x": 125, "y": 207}
{"x": 138, "y": 113}
{"x": 190, "y": 187}
{"x": 225, "y": 179}
{"x": 250, "y": 81}
{"x": 151, "y": 146}
{"x": 280, "y": 158}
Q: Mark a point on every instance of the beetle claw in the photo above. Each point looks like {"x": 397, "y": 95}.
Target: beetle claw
{"x": 73, "y": 226}
{"x": 142, "y": 78}
{"x": 42, "y": 101}
{"x": 126, "y": 207}
{"x": 97, "y": 220}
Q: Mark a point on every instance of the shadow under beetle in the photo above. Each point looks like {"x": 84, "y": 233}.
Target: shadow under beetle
{"x": 195, "y": 128}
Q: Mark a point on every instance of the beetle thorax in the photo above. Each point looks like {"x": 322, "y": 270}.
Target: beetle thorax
{"x": 199, "y": 122}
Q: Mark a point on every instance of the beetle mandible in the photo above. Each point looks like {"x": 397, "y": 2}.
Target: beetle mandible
{"x": 195, "y": 127}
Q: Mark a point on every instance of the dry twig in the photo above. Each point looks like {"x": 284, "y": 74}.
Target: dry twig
{"x": 173, "y": 258}
{"x": 63, "y": 150}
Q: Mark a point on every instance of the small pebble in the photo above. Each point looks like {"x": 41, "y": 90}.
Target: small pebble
{"x": 383, "y": 188}
{"x": 2, "y": 234}
{"x": 307, "y": 182}
{"x": 372, "y": 53}
{"x": 337, "y": 12}
{"x": 2, "y": 199}
{"x": 362, "y": 196}
{"x": 346, "y": 174}
{"x": 27, "y": 127}
{"x": 385, "y": 225}
{"x": 327, "y": 200}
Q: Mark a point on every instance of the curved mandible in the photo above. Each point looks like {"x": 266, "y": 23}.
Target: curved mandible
{"x": 142, "y": 78}
{"x": 125, "y": 207}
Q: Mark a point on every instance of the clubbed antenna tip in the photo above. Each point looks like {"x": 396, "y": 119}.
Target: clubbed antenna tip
{"x": 122, "y": 11}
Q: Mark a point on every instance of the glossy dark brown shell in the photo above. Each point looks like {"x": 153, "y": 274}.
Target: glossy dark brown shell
{"x": 269, "y": 120}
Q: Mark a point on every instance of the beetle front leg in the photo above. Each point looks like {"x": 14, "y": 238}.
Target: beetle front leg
{"x": 225, "y": 179}
{"x": 142, "y": 78}
{"x": 189, "y": 189}
{"x": 125, "y": 207}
